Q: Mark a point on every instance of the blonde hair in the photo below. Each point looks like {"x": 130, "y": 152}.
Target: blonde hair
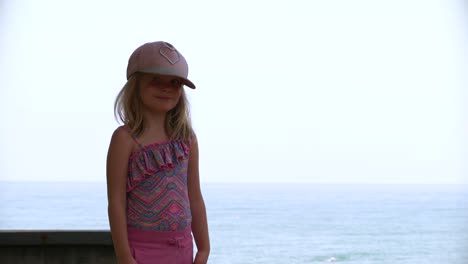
{"x": 128, "y": 108}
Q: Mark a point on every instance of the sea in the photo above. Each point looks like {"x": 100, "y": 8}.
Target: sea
{"x": 281, "y": 222}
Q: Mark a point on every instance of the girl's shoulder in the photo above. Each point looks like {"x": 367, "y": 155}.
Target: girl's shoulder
{"x": 122, "y": 131}
{"x": 120, "y": 148}
{"x": 122, "y": 136}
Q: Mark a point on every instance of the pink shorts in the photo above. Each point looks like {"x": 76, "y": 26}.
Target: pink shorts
{"x": 155, "y": 247}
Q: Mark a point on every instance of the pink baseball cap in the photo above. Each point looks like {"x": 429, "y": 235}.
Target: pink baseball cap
{"x": 159, "y": 58}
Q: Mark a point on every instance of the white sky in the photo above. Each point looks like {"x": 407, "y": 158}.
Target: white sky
{"x": 301, "y": 91}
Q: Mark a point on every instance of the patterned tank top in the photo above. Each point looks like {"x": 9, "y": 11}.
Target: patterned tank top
{"x": 157, "y": 195}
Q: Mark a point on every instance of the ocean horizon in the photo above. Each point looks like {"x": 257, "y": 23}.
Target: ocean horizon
{"x": 281, "y": 222}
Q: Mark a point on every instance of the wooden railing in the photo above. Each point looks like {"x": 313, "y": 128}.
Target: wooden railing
{"x": 56, "y": 247}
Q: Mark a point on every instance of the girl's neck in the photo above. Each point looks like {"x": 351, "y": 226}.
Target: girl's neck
{"x": 155, "y": 122}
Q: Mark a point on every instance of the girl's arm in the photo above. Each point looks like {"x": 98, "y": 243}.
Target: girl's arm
{"x": 117, "y": 166}
{"x": 197, "y": 206}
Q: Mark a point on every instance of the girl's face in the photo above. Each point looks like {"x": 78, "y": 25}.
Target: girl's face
{"x": 160, "y": 93}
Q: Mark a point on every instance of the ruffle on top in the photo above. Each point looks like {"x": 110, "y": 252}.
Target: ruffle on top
{"x": 155, "y": 157}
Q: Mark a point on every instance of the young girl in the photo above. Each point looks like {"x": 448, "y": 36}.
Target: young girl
{"x": 153, "y": 187}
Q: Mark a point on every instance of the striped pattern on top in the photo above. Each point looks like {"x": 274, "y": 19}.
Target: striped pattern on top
{"x": 157, "y": 196}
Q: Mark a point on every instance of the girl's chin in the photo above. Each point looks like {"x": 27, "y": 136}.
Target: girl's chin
{"x": 159, "y": 108}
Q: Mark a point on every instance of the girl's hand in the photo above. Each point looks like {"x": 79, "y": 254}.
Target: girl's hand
{"x": 201, "y": 257}
{"x": 127, "y": 261}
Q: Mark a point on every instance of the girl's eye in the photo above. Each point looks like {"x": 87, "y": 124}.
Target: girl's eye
{"x": 156, "y": 81}
{"x": 176, "y": 83}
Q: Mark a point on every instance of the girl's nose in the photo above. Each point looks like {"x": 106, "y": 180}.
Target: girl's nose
{"x": 165, "y": 86}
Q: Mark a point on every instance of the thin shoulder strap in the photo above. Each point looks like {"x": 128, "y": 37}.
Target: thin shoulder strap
{"x": 133, "y": 136}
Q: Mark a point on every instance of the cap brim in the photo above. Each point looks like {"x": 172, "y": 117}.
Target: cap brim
{"x": 186, "y": 81}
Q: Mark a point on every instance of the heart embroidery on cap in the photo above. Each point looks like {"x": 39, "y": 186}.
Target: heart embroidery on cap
{"x": 170, "y": 53}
